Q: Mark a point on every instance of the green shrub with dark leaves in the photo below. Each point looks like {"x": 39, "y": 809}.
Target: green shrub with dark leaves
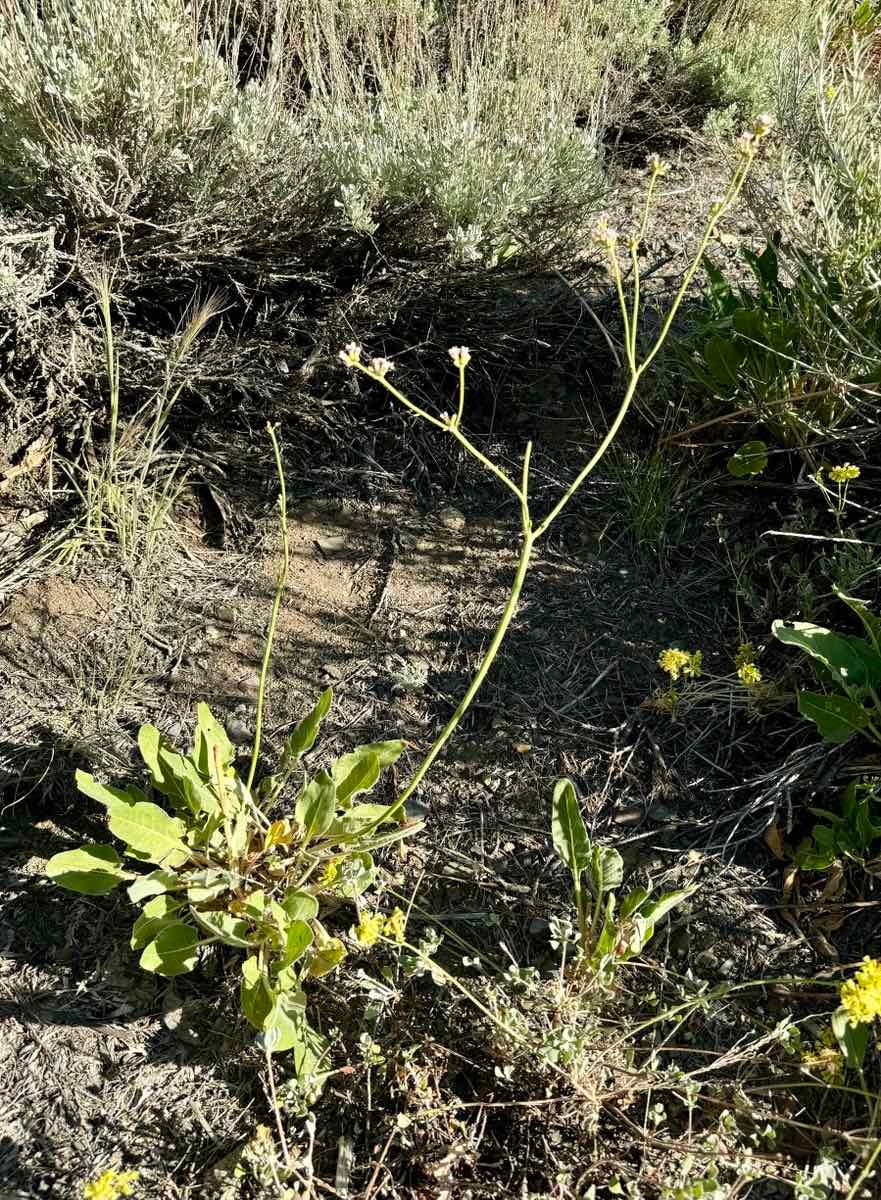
{"x": 222, "y": 864}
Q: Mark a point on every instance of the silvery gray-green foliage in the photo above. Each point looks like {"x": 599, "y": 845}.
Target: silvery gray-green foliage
{"x": 476, "y": 140}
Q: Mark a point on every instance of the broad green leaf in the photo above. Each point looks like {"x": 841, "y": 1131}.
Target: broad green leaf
{"x": 355, "y": 772}
{"x": 149, "y": 831}
{"x": 303, "y": 738}
{"x": 852, "y": 1039}
{"x": 567, "y": 828}
{"x": 852, "y": 662}
{"x": 836, "y": 717}
{"x": 327, "y": 952}
{"x": 656, "y": 909}
{"x": 300, "y": 906}
{"x": 175, "y": 775}
{"x": 173, "y": 951}
{"x": 749, "y": 459}
{"x": 255, "y": 993}
{"x": 90, "y": 870}
{"x": 208, "y": 884}
{"x": 633, "y": 901}
{"x": 723, "y": 357}
{"x": 608, "y": 936}
{"x": 298, "y": 939}
{"x": 316, "y": 806}
{"x": 605, "y": 869}
{"x": 156, "y": 914}
{"x": 286, "y": 1028}
{"x": 232, "y": 931}
{"x": 89, "y": 786}
{"x": 871, "y": 623}
{"x": 357, "y": 873}
{"x": 154, "y": 884}
{"x": 211, "y": 742}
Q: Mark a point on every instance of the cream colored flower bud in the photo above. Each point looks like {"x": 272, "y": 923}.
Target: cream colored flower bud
{"x": 381, "y": 366}
{"x": 460, "y": 355}
{"x": 351, "y": 355}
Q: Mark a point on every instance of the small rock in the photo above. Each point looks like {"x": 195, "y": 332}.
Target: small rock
{"x": 239, "y": 733}
{"x": 331, "y": 547}
{"x": 539, "y": 927}
{"x": 225, "y": 613}
{"x": 451, "y": 518}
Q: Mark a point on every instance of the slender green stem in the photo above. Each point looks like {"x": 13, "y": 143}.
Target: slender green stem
{"x": 276, "y": 605}
{"x": 474, "y": 686}
{"x": 865, "y": 1174}
{"x": 461, "y": 411}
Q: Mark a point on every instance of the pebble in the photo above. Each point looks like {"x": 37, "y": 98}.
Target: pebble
{"x": 451, "y": 518}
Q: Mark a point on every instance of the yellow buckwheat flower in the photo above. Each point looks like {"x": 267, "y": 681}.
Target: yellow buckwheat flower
{"x": 111, "y": 1185}
{"x": 368, "y": 929}
{"x": 681, "y": 662}
{"x": 749, "y": 674}
{"x": 861, "y": 996}
{"x": 395, "y": 925}
{"x": 844, "y": 473}
{"x": 329, "y": 873}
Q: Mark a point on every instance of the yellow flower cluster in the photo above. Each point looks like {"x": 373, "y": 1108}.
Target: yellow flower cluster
{"x": 825, "y": 1059}
{"x": 368, "y": 929}
{"x": 681, "y": 662}
{"x": 745, "y": 661}
{"x": 329, "y": 873}
{"x": 844, "y": 473}
{"x": 749, "y": 674}
{"x": 861, "y": 996}
{"x": 372, "y": 925}
{"x": 111, "y": 1185}
{"x": 395, "y": 925}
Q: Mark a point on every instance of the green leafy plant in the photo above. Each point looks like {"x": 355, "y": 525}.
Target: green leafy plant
{"x": 231, "y": 862}
{"x": 608, "y": 933}
{"x": 850, "y": 664}
{"x": 851, "y": 835}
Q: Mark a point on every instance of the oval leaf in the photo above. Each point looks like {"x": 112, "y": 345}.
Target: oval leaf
{"x": 316, "y": 806}
{"x": 300, "y": 906}
{"x": 836, "y": 717}
{"x": 173, "y": 951}
{"x": 852, "y": 662}
{"x": 149, "y": 831}
{"x": 90, "y": 870}
{"x": 303, "y": 738}
{"x": 567, "y": 828}
{"x": 749, "y": 459}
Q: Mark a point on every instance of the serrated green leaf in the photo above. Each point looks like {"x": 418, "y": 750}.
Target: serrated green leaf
{"x": 836, "y": 717}
{"x": 316, "y": 806}
{"x": 211, "y": 742}
{"x": 853, "y": 663}
{"x": 749, "y": 459}
{"x": 567, "y": 828}
{"x": 173, "y": 951}
{"x": 300, "y": 906}
{"x": 303, "y": 737}
{"x": 89, "y": 870}
{"x": 154, "y": 884}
